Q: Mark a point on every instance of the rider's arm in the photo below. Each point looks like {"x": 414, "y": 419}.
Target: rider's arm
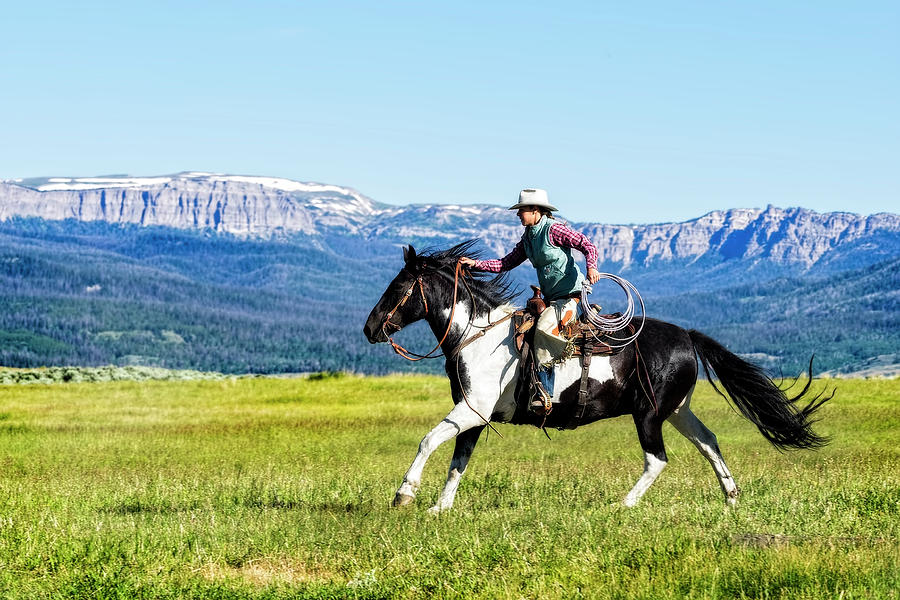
{"x": 563, "y": 236}
{"x": 510, "y": 261}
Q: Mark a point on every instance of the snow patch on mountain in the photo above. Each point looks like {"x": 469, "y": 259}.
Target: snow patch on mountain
{"x": 55, "y": 184}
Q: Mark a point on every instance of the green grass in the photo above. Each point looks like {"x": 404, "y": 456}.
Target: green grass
{"x": 280, "y": 488}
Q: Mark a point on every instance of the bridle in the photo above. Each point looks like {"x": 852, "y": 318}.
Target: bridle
{"x": 407, "y": 354}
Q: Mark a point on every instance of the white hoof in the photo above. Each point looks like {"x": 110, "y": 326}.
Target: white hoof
{"x": 731, "y": 497}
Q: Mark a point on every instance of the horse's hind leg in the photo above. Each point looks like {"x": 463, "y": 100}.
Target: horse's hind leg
{"x": 649, "y": 428}
{"x": 693, "y": 429}
{"x": 460, "y": 420}
{"x": 465, "y": 444}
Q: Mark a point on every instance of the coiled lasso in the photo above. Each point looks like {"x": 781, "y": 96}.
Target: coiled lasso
{"x": 612, "y": 323}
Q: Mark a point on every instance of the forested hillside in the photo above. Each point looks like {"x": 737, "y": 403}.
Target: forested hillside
{"x": 94, "y": 294}
{"x": 78, "y": 293}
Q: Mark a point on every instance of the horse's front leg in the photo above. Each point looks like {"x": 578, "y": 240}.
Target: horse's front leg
{"x": 465, "y": 444}
{"x": 460, "y": 420}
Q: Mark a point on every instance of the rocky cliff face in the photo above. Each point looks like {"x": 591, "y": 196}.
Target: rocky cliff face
{"x": 264, "y": 207}
{"x": 243, "y": 206}
{"x": 794, "y": 235}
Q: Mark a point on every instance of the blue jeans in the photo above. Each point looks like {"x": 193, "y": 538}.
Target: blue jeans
{"x": 547, "y": 377}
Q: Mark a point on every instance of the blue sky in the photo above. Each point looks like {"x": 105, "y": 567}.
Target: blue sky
{"x": 624, "y": 112}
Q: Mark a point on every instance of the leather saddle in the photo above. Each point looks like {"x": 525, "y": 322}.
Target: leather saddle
{"x": 525, "y": 319}
{"x": 587, "y": 339}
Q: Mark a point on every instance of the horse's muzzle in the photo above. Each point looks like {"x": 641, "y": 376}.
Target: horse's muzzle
{"x": 374, "y": 334}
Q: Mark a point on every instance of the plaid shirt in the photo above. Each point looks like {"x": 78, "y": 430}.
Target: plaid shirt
{"x": 560, "y": 235}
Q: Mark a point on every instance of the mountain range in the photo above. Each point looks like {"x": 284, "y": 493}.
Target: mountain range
{"x": 94, "y": 271}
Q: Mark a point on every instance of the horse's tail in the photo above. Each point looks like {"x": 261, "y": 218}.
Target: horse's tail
{"x": 759, "y": 399}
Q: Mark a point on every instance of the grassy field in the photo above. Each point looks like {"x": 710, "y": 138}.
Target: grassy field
{"x": 280, "y": 488}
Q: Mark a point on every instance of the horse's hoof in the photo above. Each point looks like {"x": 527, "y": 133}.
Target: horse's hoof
{"x": 731, "y": 497}
{"x": 436, "y": 510}
{"x": 403, "y": 500}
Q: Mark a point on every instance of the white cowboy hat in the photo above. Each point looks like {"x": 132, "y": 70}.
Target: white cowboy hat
{"x": 533, "y": 197}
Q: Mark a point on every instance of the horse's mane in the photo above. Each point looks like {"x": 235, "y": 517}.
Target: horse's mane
{"x": 497, "y": 289}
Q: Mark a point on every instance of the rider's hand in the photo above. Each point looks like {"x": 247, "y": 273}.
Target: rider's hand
{"x": 467, "y": 262}
{"x": 593, "y": 275}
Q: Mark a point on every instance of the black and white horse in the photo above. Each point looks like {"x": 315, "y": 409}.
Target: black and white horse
{"x": 483, "y": 376}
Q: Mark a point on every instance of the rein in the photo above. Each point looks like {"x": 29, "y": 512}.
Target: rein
{"x": 480, "y": 334}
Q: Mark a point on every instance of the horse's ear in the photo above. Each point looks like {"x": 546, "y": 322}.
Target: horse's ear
{"x": 409, "y": 255}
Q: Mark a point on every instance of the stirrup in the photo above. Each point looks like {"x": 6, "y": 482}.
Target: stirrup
{"x": 540, "y": 401}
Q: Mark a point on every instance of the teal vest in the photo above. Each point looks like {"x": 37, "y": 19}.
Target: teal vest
{"x": 558, "y": 275}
